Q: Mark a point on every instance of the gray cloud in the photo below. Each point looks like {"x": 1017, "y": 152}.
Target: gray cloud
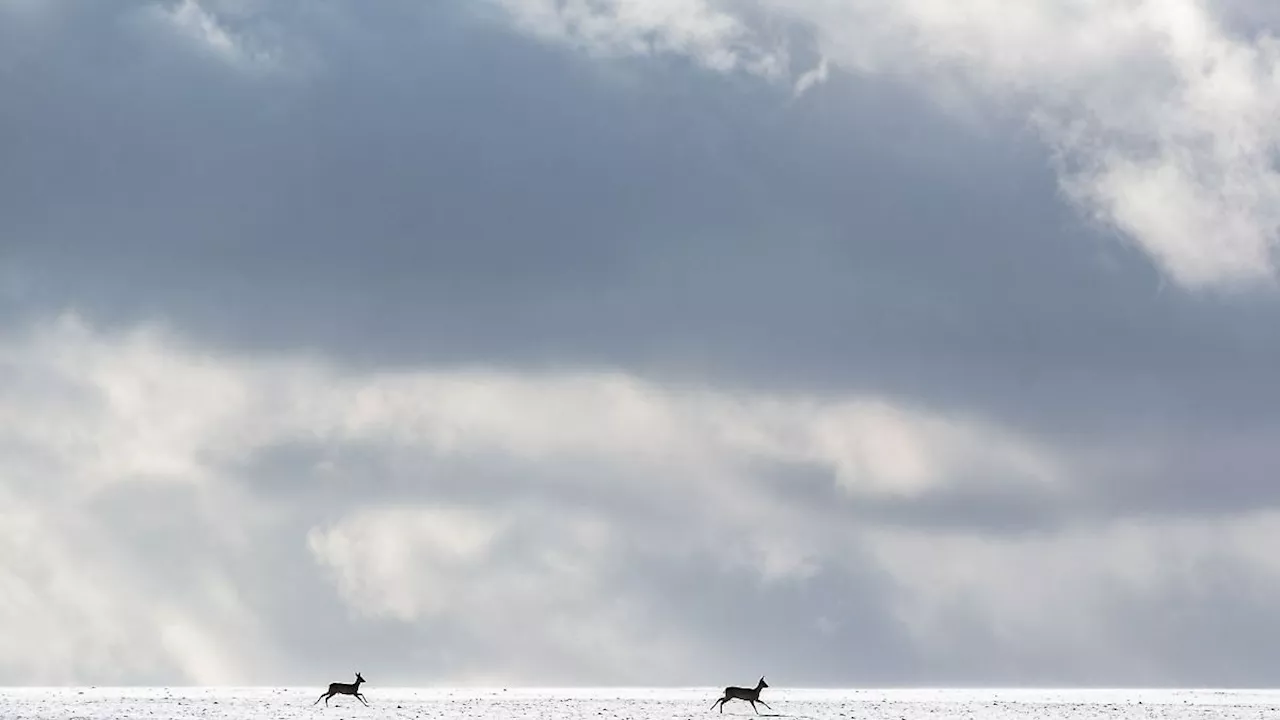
{"x": 773, "y": 246}
{"x": 399, "y": 339}
{"x": 1158, "y": 114}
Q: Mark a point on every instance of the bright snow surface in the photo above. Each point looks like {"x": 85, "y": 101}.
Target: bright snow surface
{"x": 625, "y": 704}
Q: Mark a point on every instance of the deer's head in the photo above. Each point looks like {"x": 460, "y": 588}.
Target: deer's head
{"x": 359, "y": 678}
{"x": 763, "y": 684}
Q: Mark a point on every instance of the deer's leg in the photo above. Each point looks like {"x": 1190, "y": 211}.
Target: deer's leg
{"x": 753, "y": 706}
{"x": 361, "y": 699}
{"x": 764, "y": 704}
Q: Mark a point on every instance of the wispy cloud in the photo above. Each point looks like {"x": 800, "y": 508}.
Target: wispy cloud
{"x": 699, "y": 29}
{"x": 206, "y": 29}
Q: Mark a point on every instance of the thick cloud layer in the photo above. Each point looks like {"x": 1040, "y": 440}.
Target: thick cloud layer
{"x": 181, "y": 513}
{"x": 637, "y": 342}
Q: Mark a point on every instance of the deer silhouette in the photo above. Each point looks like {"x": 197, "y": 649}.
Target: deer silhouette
{"x": 751, "y": 695}
{"x": 343, "y": 689}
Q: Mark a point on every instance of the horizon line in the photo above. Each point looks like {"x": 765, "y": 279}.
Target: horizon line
{"x": 498, "y": 687}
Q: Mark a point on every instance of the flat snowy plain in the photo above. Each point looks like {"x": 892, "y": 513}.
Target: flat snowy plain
{"x": 625, "y": 704}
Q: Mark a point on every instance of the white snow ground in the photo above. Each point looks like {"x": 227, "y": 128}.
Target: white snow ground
{"x": 628, "y": 704}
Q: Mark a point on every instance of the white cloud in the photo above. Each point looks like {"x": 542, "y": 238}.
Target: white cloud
{"x": 89, "y": 419}
{"x": 173, "y": 412}
{"x": 189, "y": 17}
{"x": 611, "y": 477}
{"x": 1081, "y": 599}
{"x": 812, "y": 78}
{"x": 536, "y": 584}
{"x": 1160, "y": 120}
{"x": 697, "y": 28}
{"x": 206, "y": 25}
{"x": 75, "y": 604}
{"x": 404, "y": 562}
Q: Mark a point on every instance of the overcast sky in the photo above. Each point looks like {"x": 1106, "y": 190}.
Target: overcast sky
{"x": 653, "y": 342}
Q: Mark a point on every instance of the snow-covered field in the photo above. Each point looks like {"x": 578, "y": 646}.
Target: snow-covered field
{"x": 624, "y": 704}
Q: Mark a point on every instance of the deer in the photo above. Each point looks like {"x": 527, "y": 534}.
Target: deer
{"x": 751, "y": 695}
{"x": 343, "y": 689}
